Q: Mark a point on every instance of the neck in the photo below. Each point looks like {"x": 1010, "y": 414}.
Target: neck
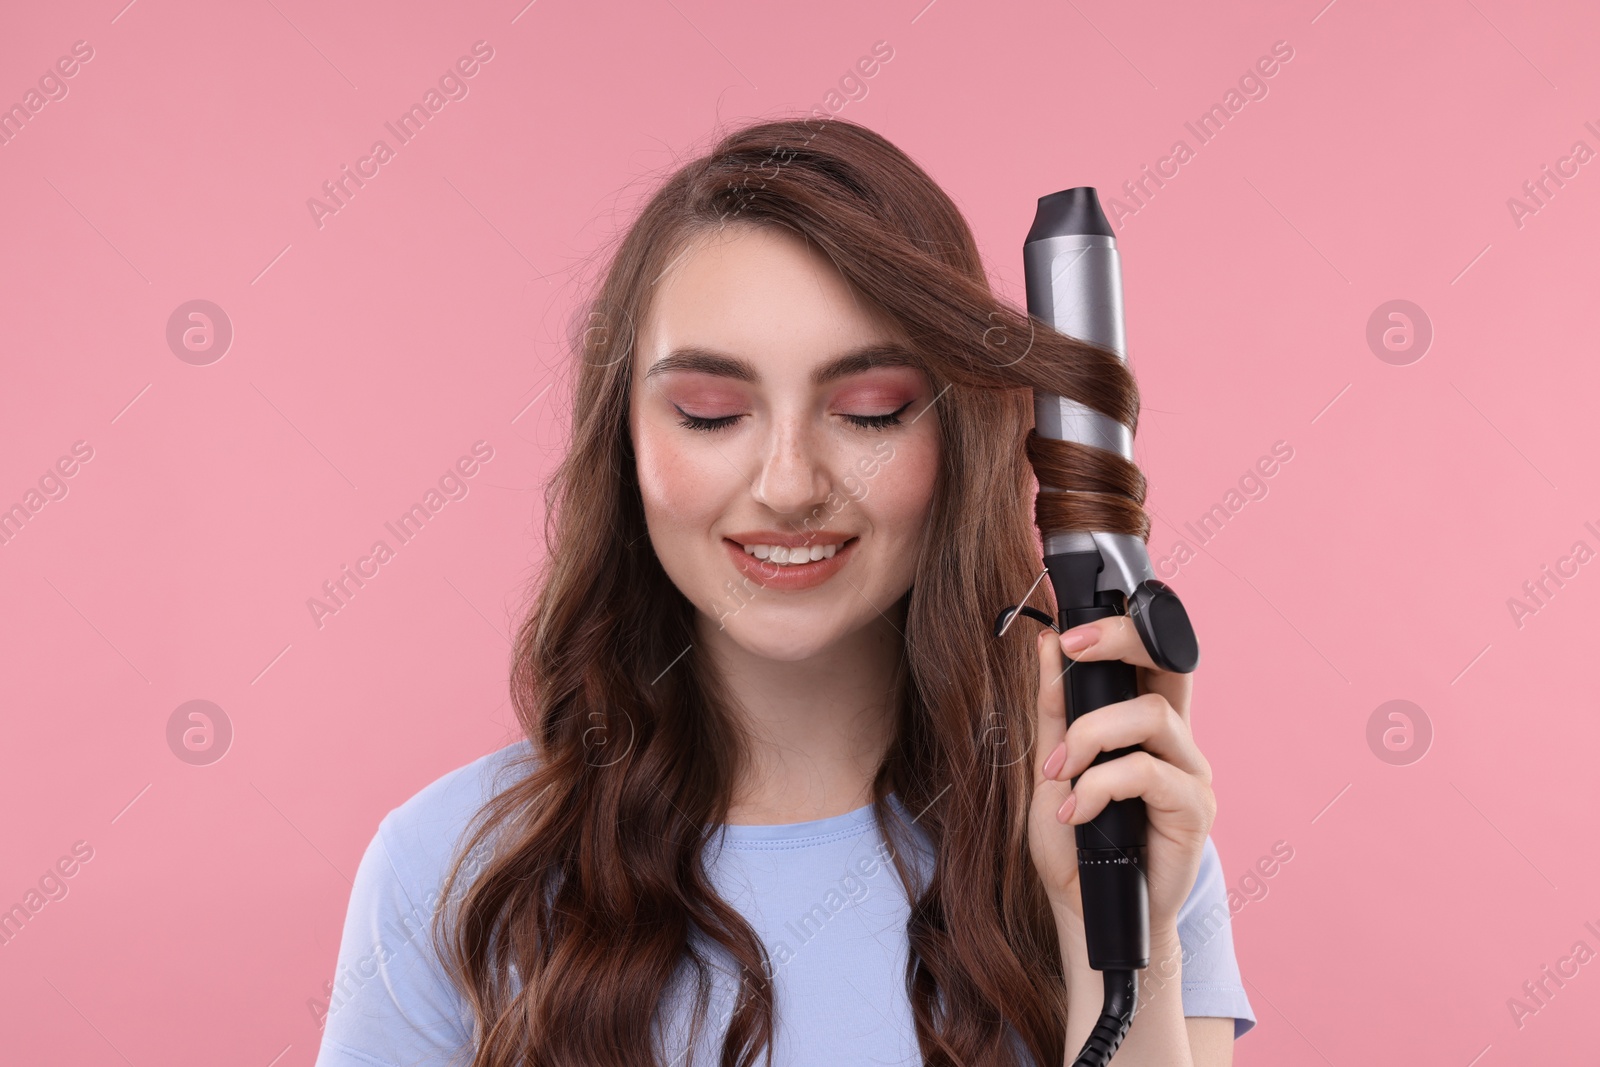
{"x": 819, "y": 727}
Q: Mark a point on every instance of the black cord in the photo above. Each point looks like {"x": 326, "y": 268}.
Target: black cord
{"x": 1122, "y": 990}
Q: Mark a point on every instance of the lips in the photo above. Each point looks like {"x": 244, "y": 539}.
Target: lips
{"x": 791, "y": 577}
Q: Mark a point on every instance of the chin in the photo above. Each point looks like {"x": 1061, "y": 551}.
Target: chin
{"x": 785, "y": 642}
{"x": 780, "y": 652}
{"x": 784, "y": 636}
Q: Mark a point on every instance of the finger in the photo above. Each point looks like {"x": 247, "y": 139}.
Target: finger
{"x": 1050, "y": 727}
{"x": 1178, "y": 689}
{"x": 1171, "y": 795}
{"x": 1147, "y": 721}
{"x": 1114, "y": 637}
{"x": 1117, "y": 638}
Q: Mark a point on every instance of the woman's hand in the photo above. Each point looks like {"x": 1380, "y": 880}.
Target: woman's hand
{"x": 1170, "y": 774}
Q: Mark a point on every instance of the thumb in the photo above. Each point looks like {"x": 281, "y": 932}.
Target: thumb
{"x": 1051, "y": 723}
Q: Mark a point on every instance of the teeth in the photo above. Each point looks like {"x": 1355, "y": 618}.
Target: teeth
{"x": 800, "y": 554}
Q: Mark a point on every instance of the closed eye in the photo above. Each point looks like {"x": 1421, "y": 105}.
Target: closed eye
{"x": 880, "y": 422}
{"x": 866, "y": 422}
{"x": 694, "y": 422}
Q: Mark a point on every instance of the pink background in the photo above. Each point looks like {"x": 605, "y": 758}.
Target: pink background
{"x": 369, "y": 354}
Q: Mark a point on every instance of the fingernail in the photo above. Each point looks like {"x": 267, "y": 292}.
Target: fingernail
{"x": 1079, "y": 638}
{"x": 1057, "y": 758}
{"x": 1065, "y": 811}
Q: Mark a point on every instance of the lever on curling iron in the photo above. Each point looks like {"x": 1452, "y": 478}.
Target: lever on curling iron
{"x": 1158, "y": 615}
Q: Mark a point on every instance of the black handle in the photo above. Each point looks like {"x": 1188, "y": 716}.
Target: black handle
{"x": 1111, "y": 846}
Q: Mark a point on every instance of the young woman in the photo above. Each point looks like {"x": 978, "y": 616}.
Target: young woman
{"x": 783, "y": 793}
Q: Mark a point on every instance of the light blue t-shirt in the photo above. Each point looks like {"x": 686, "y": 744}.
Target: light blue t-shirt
{"x": 823, "y": 896}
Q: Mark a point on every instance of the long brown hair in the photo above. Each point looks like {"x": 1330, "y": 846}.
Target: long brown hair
{"x": 567, "y": 940}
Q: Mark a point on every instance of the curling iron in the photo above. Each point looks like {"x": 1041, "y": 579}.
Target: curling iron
{"x": 1074, "y": 285}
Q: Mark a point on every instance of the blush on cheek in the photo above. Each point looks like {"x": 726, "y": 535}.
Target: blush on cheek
{"x": 681, "y": 481}
{"x": 903, "y": 490}
{"x": 896, "y": 493}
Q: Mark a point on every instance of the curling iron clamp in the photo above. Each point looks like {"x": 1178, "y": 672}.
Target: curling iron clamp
{"x": 1074, "y": 285}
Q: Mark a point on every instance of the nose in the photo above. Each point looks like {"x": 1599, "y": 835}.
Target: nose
{"x": 792, "y": 479}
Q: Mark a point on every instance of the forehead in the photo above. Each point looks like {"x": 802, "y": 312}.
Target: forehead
{"x": 763, "y": 293}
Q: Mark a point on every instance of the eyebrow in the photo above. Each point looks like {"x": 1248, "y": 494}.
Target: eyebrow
{"x": 710, "y": 361}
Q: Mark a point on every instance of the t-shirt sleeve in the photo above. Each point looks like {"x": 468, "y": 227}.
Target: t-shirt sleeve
{"x": 1211, "y": 981}
{"x": 391, "y": 1004}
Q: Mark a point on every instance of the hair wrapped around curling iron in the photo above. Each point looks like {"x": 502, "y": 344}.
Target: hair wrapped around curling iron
{"x": 1082, "y": 488}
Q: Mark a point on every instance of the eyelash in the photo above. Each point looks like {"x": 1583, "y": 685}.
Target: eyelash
{"x": 865, "y": 422}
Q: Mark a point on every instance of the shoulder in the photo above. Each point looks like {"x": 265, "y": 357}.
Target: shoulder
{"x": 423, "y": 835}
{"x": 390, "y": 1001}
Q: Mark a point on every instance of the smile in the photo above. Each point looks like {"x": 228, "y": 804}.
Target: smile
{"x": 771, "y": 573}
{"x": 798, "y": 554}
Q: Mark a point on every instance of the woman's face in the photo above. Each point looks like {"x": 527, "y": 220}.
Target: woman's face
{"x": 774, "y": 414}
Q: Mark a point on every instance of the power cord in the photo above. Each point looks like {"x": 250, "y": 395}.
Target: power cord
{"x": 1122, "y": 990}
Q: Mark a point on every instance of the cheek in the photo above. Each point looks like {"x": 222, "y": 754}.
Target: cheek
{"x": 680, "y": 486}
{"x": 899, "y": 496}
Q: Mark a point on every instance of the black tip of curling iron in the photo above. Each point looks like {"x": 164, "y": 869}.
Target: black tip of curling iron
{"x": 1069, "y": 212}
